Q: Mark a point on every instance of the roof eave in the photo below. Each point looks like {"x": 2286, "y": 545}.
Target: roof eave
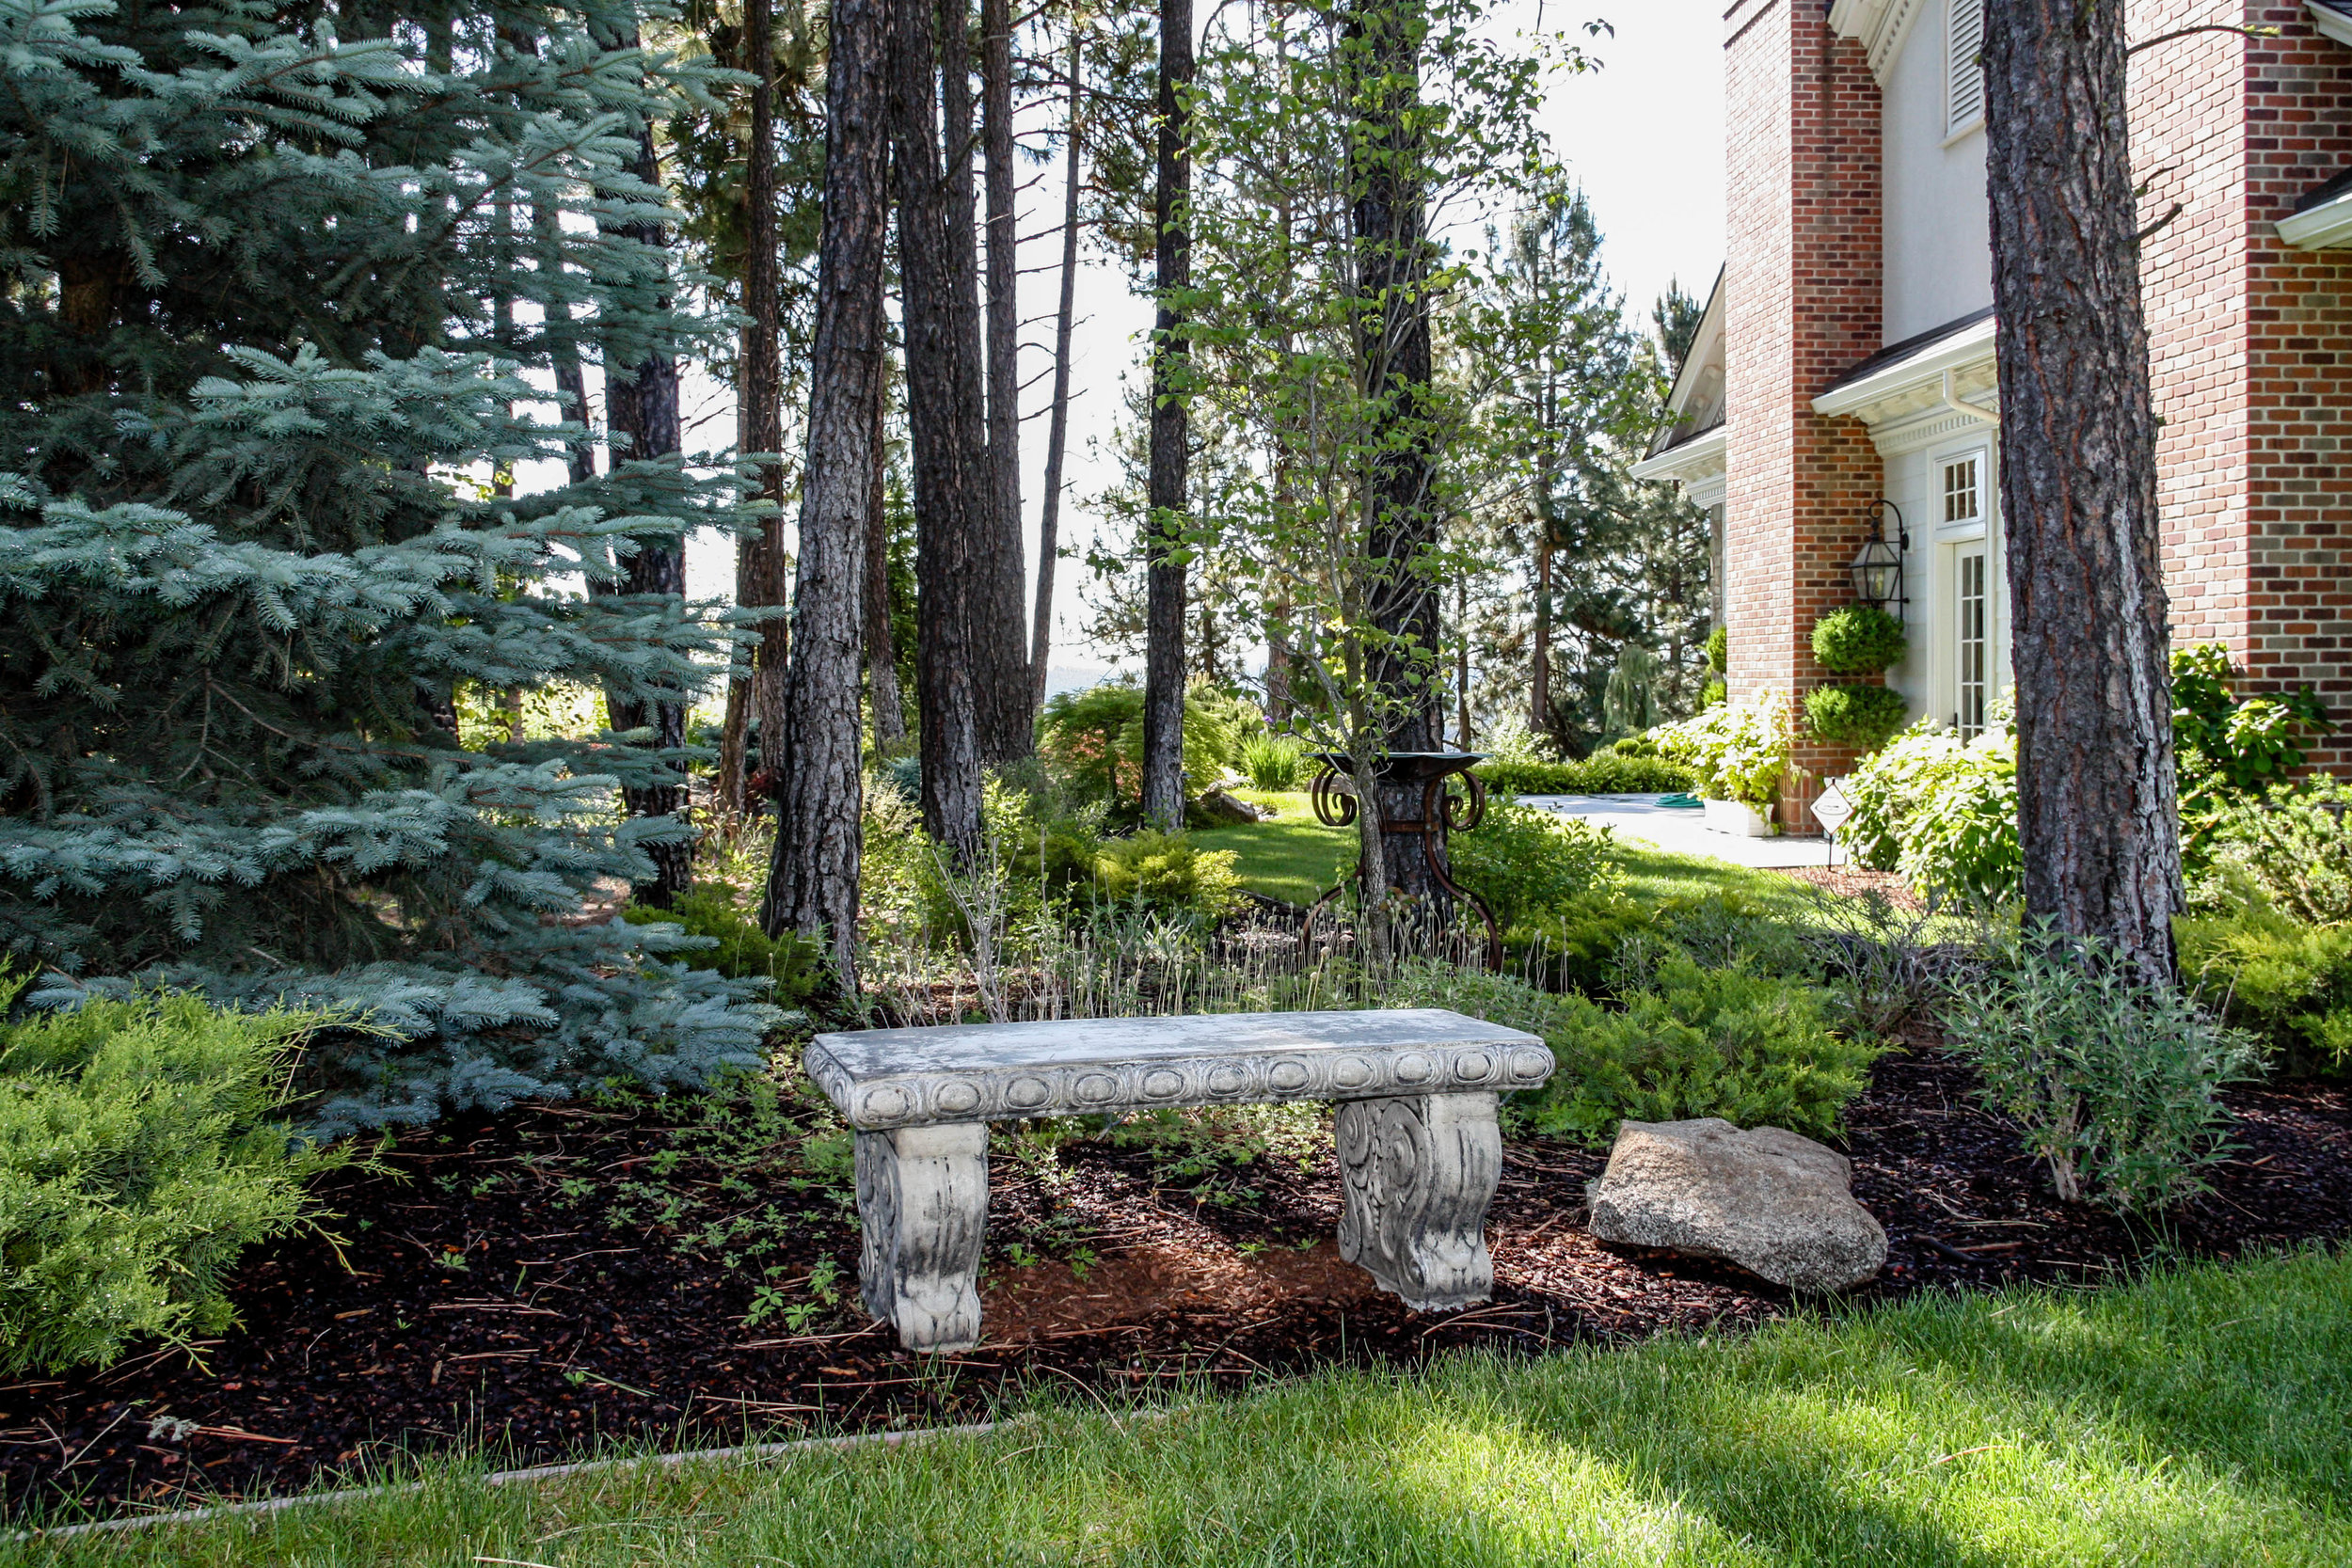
{"x": 2324, "y": 227}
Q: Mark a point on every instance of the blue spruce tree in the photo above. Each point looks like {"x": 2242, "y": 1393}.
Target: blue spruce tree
{"x": 289, "y": 289}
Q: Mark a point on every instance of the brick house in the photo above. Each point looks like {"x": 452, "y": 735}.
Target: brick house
{"x": 1846, "y": 359}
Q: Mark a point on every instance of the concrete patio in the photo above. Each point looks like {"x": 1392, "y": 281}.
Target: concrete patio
{"x": 1681, "y": 830}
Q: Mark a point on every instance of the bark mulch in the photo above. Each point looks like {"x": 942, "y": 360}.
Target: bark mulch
{"x": 559, "y": 1276}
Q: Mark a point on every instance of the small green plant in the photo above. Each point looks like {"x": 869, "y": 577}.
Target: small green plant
{"x": 141, "y": 1152}
{"x": 1167, "y": 872}
{"x": 1719, "y": 650}
{"x": 1859, "y": 639}
{"x": 1941, "y": 811}
{"x": 2290, "y": 846}
{"x": 1524, "y": 860}
{"x": 2114, "y": 1081}
{"x": 1273, "y": 761}
{"x": 1866, "y": 717}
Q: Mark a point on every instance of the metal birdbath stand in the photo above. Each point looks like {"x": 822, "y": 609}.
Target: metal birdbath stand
{"x": 1416, "y": 780}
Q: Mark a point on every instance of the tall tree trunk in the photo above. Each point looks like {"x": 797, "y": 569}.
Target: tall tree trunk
{"x": 2098, "y": 821}
{"x": 735, "y": 729}
{"x": 1539, "y": 673}
{"x": 760, "y": 565}
{"x": 642, "y": 406}
{"x": 942, "y": 409}
{"x": 1058, "y": 428}
{"x": 1007, "y": 724}
{"x": 882, "y": 647}
{"x": 1165, "y": 526}
{"x": 1401, "y": 530}
{"x": 812, "y": 887}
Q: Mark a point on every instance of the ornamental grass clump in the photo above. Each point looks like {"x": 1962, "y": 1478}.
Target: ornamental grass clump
{"x": 2114, "y": 1080}
{"x": 141, "y": 1152}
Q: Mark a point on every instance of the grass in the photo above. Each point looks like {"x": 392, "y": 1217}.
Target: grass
{"x": 1294, "y": 858}
{"x": 2200, "y": 1416}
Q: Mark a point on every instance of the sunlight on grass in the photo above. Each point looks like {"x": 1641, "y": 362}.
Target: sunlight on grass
{"x": 2204, "y": 1416}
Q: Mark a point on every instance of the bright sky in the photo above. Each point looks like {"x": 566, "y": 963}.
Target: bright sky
{"x": 1643, "y": 133}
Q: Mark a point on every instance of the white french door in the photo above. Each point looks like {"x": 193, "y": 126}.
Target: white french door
{"x": 1972, "y": 643}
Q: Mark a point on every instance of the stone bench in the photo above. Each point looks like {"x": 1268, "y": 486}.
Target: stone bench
{"x": 1420, "y": 1153}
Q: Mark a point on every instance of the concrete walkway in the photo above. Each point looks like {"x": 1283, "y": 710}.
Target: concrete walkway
{"x": 1680, "y": 830}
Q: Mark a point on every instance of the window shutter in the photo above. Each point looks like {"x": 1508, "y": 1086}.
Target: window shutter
{"x": 1964, "y": 77}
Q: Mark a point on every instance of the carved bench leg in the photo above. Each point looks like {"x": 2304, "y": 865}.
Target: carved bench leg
{"x": 922, "y": 1195}
{"x": 1419, "y": 1172}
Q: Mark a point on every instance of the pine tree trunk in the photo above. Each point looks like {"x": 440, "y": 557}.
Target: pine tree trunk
{"x": 642, "y": 405}
{"x": 1009, "y": 729}
{"x": 2098, "y": 820}
{"x": 813, "y": 885}
{"x": 1057, "y": 429}
{"x": 1402, "y": 526}
{"x": 760, "y": 565}
{"x": 943, "y": 410}
{"x": 882, "y": 647}
{"x": 1164, "y": 594}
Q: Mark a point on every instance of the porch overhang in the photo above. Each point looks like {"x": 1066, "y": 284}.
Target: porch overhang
{"x": 1701, "y": 464}
{"x": 1923, "y": 390}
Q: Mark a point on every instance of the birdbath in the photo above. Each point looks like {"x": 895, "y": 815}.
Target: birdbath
{"x": 1417, "y": 813}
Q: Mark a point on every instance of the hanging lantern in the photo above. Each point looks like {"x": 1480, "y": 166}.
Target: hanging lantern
{"x": 1878, "y": 571}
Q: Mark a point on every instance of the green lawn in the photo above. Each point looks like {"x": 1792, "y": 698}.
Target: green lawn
{"x": 1294, "y": 858}
{"x": 2202, "y": 1417}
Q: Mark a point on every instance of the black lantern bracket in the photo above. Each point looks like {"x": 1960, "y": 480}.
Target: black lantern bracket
{"x": 1878, "y": 571}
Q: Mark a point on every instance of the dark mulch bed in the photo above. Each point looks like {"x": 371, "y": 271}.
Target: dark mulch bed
{"x": 561, "y": 1330}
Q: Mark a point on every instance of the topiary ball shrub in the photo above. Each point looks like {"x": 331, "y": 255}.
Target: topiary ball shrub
{"x": 1859, "y": 639}
{"x": 1719, "y": 650}
{"x": 1864, "y": 716}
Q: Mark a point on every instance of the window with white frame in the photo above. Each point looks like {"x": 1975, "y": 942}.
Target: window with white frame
{"x": 1964, "y": 77}
{"x": 1972, "y": 641}
{"x": 1963, "y": 490}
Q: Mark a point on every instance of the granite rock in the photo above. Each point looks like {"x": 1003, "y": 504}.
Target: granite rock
{"x": 1778, "y": 1205}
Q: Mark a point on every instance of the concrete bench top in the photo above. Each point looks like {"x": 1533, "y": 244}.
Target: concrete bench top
{"x": 888, "y": 1078}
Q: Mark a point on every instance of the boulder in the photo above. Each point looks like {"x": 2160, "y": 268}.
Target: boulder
{"x": 1216, "y": 809}
{"x": 1778, "y": 1205}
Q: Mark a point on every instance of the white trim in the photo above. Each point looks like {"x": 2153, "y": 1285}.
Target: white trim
{"x": 1916, "y": 381}
{"x": 2328, "y": 22}
{"x": 2325, "y": 227}
{"x": 1879, "y": 25}
{"x": 1974, "y": 128}
{"x": 1703, "y": 456}
{"x": 1963, "y": 78}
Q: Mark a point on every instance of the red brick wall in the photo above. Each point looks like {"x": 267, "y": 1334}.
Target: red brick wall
{"x": 2296, "y": 629}
{"x": 1802, "y": 300}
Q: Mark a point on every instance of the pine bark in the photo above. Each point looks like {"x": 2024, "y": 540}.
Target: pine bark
{"x": 942, "y": 409}
{"x": 813, "y": 885}
{"x": 760, "y": 563}
{"x": 1008, "y": 727}
{"x": 881, "y": 646}
{"x": 2098, "y": 821}
{"x": 642, "y": 405}
{"x": 1401, "y": 526}
{"x": 1164, "y": 593}
{"x": 1057, "y": 429}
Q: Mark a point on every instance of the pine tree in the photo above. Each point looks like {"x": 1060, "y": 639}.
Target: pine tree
{"x": 272, "y": 298}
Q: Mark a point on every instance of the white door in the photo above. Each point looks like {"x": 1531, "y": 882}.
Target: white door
{"x": 1972, "y": 643}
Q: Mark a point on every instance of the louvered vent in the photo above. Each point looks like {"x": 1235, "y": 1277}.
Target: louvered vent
{"x": 1964, "y": 77}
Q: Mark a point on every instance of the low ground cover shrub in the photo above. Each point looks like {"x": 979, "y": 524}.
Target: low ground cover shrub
{"x": 2114, "y": 1081}
{"x": 1866, "y": 717}
{"x": 1603, "y": 773}
{"x": 1686, "y": 1041}
{"x": 1168, "y": 873}
{"x": 2285, "y": 981}
{"x": 142, "y": 1149}
{"x": 2289, "y": 846}
{"x": 1524, "y": 860}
